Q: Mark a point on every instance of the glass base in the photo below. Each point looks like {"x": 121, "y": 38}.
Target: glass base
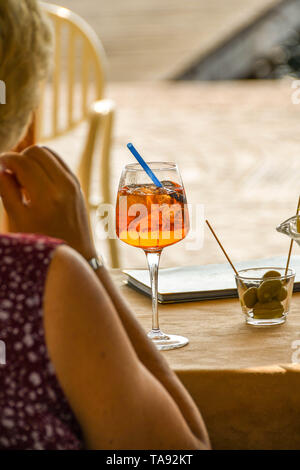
{"x": 165, "y": 342}
{"x": 265, "y": 321}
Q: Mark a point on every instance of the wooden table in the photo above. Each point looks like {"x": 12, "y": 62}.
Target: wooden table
{"x": 242, "y": 378}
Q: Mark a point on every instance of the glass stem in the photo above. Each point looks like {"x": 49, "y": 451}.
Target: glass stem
{"x": 153, "y": 264}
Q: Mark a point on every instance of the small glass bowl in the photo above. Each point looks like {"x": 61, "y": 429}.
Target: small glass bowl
{"x": 265, "y": 299}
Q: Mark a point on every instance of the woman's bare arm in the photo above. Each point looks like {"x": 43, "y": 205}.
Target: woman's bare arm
{"x": 153, "y": 359}
{"x": 119, "y": 403}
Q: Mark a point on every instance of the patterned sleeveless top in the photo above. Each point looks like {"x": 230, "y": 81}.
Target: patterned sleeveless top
{"x": 34, "y": 412}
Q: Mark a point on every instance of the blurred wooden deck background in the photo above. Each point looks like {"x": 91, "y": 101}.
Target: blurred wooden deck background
{"x": 155, "y": 39}
{"x": 236, "y": 143}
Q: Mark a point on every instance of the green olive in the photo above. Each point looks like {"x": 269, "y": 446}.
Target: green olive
{"x": 273, "y": 309}
{"x": 271, "y": 274}
{"x": 268, "y": 290}
{"x": 282, "y": 294}
{"x": 250, "y": 297}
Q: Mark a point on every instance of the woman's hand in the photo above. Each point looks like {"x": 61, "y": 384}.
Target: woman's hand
{"x": 41, "y": 195}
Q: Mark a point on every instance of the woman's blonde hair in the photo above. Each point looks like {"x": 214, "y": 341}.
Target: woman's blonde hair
{"x": 25, "y": 51}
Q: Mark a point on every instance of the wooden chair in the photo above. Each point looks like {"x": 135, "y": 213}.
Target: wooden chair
{"x": 79, "y": 72}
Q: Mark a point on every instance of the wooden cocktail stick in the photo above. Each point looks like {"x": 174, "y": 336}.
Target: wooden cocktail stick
{"x": 292, "y": 242}
{"x": 221, "y": 246}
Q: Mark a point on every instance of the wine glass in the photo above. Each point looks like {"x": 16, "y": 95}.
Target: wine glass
{"x": 152, "y": 217}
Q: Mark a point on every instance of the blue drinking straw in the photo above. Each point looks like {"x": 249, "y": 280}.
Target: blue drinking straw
{"x": 146, "y": 167}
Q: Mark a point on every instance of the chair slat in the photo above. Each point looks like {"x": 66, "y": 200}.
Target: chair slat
{"x": 71, "y": 74}
{"x": 56, "y": 75}
{"x": 85, "y": 76}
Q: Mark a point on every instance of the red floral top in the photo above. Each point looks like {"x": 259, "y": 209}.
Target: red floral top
{"x": 34, "y": 412}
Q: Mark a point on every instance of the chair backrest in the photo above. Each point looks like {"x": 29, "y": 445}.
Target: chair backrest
{"x": 78, "y": 75}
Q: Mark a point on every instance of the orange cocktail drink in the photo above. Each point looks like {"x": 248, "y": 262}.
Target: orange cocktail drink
{"x": 151, "y": 217}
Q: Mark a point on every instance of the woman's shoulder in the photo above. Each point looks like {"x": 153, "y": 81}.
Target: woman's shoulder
{"x": 72, "y": 295}
{"x": 69, "y": 270}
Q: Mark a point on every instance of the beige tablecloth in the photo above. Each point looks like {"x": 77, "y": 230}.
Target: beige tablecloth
{"x": 242, "y": 378}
